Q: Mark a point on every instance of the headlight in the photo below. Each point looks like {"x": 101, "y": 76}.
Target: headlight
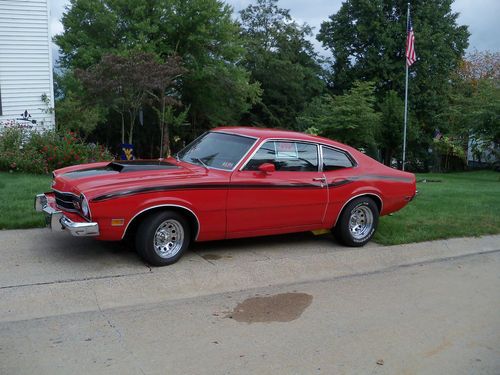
{"x": 85, "y": 206}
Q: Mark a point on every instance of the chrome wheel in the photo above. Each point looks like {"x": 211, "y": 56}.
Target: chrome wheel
{"x": 360, "y": 222}
{"x": 168, "y": 238}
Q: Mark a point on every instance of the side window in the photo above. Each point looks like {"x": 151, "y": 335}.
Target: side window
{"x": 333, "y": 160}
{"x": 286, "y": 156}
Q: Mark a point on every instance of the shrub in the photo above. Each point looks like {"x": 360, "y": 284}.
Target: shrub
{"x": 22, "y": 149}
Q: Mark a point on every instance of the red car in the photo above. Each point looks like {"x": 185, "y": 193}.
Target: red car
{"x": 230, "y": 182}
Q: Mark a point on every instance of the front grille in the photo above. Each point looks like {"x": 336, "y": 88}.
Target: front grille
{"x": 66, "y": 201}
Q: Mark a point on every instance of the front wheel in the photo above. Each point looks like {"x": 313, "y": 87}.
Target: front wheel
{"x": 357, "y": 222}
{"x": 162, "y": 238}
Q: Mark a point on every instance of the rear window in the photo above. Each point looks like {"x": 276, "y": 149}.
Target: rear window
{"x": 335, "y": 159}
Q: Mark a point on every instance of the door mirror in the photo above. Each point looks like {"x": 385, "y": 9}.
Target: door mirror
{"x": 267, "y": 168}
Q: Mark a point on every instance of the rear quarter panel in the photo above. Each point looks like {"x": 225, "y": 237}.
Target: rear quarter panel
{"x": 393, "y": 188}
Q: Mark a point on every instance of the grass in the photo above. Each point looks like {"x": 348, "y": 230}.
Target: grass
{"x": 462, "y": 204}
{"x": 17, "y": 194}
{"x": 459, "y": 205}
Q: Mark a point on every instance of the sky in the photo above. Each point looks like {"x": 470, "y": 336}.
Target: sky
{"x": 480, "y": 15}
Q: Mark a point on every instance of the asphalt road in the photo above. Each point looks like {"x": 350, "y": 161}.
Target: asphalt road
{"x": 283, "y": 305}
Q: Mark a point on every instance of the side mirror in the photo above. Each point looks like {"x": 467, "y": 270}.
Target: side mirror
{"x": 267, "y": 168}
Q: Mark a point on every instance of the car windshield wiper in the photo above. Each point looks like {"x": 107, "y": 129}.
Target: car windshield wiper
{"x": 201, "y": 162}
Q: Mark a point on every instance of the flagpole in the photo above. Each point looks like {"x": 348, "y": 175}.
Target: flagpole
{"x": 406, "y": 95}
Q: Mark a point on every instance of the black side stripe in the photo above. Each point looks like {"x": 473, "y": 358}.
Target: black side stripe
{"x": 204, "y": 187}
{"x": 335, "y": 184}
{"x": 382, "y": 177}
{"x": 154, "y": 189}
{"x": 338, "y": 183}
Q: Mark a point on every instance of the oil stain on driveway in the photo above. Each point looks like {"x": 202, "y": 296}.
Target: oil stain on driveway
{"x": 284, "y": 307}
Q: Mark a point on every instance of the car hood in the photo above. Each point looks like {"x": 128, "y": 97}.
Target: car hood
{"x": 98, "y": 179}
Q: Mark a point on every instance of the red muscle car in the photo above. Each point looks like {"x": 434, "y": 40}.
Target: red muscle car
{"x": 230, "y": 182}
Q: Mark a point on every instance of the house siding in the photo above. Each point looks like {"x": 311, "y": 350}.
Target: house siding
{"x": 26, "y": 62}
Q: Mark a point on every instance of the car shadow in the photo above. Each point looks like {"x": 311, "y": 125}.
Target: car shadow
{"x": 302, "y": 240}
{"x": 121, "y": 255}
{"x": 67, "y": 249}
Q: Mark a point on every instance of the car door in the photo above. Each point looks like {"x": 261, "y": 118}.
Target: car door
{"x": 294, "y": 195}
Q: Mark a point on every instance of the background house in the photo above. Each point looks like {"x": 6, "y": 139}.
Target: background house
{"x": 26, "y": 82}
{"x": 482, "y": 154}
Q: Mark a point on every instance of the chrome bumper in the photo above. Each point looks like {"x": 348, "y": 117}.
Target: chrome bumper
{"x": 57, "y": 221}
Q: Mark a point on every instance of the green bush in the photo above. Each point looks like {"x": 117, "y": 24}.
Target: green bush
{"x": 25, "y": 150}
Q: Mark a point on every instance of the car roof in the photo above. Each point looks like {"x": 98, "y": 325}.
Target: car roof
{"x": 265, "y": 133}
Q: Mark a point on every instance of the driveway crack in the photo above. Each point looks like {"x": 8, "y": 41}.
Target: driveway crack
{"x": 76, "y": 280}
{"x": 119, "y": 334}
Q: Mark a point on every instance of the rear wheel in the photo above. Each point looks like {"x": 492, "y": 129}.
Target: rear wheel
{"x": 162, "y": 238}
{"x": 357, "y": 222}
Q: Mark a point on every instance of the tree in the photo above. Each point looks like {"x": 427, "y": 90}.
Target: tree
{"x": 476, "y": 95}
{"x": 201, "y": 32}
{"x": 94, "y": 28}
{"x": 348, "y": 118}
{"x": 123, "y": 83}
{"x": 367, "y": 40}
{"x": 73, "y": 112}
{"x": 282, "y": 60}
{"x": 473, "y": 116}
{"x": 75, "y": 115}
{"x": 391, "y": 135}
{"x": 162, "y": 91}
{"x": 479, "y": 65}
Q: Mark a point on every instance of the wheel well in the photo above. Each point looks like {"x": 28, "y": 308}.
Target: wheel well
{"x": 375, "y": 198}
{"x": 191, "y": 218}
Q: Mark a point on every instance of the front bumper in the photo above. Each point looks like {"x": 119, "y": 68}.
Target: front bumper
{"x": 57, "y": 221}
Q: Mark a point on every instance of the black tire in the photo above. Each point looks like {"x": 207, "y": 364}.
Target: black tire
{"x": 364, "y": 214}
{"x": 162, "y": 238}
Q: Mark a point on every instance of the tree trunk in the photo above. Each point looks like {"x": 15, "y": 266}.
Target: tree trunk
{"x": 166, "y": 133}
{"x": 123, "y": 128}
{"x": 387, "y": 157}
{"x": 131, "y": 132}
{"x": 166, "y": 140}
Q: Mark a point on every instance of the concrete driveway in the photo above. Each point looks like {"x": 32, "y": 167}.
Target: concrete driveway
{"x": 73, "y": 305}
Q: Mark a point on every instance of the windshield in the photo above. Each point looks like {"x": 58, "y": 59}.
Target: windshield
{"x": 216, "y": 150}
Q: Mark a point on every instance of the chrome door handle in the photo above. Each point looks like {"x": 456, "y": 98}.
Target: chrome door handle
{"x": 321, "y": 180}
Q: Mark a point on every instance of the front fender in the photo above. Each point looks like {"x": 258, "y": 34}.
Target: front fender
{"x": 115, "y": 215}
{"x": 207, "y": 206}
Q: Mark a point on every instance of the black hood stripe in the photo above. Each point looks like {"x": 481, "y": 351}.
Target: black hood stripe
{"x": 121, "y": 167}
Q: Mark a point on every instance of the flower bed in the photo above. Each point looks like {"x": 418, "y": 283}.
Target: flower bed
{"x": 22, "y": 149}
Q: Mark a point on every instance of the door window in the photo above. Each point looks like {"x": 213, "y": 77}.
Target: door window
{"x": 286, "y": 156}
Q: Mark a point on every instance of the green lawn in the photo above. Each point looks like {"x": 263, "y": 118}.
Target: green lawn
{"x": 17, "y": 194}
{"x": 459, "y": 205}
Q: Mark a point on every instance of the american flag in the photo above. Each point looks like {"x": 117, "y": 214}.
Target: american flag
{"x": 410, "y": 44}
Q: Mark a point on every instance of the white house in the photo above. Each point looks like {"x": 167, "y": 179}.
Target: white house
{"x": 26, "y": 82}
